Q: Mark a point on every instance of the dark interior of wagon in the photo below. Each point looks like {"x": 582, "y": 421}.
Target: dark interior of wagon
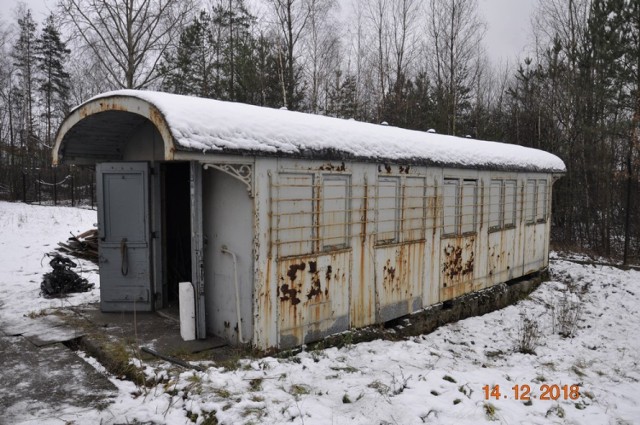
{"x": 176, "y": 226}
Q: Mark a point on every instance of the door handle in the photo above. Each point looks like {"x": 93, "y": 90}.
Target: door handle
{"x": 124, "y": 257}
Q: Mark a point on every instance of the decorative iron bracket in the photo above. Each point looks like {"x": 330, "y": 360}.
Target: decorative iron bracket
{"x": 242, "y": 172}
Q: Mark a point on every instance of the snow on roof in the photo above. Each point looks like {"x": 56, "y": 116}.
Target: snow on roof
{"x": 208, "y": 125}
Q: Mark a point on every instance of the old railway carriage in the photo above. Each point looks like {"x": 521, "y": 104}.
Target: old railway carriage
{"x": 293, "y": 226}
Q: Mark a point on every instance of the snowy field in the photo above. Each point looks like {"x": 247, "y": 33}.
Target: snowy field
{"x": 436, "y": 378}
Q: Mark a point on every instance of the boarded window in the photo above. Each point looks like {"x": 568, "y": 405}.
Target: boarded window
{"x": 510, "y": 193}
{"x": 495, "y": 205}
{"x": 530, "y": 201}
{"x": 450, "y": 206}
{"x": 334, "y": 220}
{"x": 413, "y": 209}
{"x": 541, "y": 209}
{"x": 387, "y": 199}
{"x": 295, "y": 214}
{"x": 469, "y": 203}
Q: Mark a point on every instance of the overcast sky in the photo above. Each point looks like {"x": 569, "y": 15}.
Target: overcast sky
{"x": 507, "y": 34}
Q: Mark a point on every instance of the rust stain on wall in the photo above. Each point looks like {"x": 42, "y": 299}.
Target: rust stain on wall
{"x": 389, "y": 274}
{"x": 289, "y": 291}
{"x": 289, "y": 294}
{"x": 310, "y": 302}
{"x": 293, "y": 270}
{"x": 316, "y": 287}
{"x": 331, "y": 167}
{"x": 458, "y": 267}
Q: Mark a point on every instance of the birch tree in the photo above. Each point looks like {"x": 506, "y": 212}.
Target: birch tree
{"x": 454, "y": 45}
{"x": 292, "y": 17}
{"x": 127, "y": 37}
{"x": 322, "y": 47}
{"x": 378, "y": 14}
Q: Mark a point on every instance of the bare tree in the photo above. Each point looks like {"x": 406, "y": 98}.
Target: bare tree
{"x": 6, "y": 107}
{"x": 322, "y": 48}
{"x": 378, "y": 14}
{"x": 127, "y": 37}
{"x": 454, "y": 45}
{"x": 357, "y": 59}
{"x": 88, "y": 76}
{"x": 564, "y": 20}
{"x": 292, "y": 17}
{"x": 404, "y": 17}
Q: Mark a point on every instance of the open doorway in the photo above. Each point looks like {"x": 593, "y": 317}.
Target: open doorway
{"x": 176, "y": 231}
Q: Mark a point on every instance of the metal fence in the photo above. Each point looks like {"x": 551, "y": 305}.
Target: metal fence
{"x": 63, "y": 185}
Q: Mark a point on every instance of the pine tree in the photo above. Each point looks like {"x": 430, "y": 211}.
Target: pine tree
{"x": 215, "y": 56}
{"x": 23, "y": 55}
{"x": 268, "y": 90}
{"x": 53, "y": 80}
{"x": 341, "y": 97}
{"x": 630, "y": 17}
{"x": 232, "y": 25}
{"x": 190, "y": 69}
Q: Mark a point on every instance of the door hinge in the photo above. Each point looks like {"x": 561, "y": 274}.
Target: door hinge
{"x": 154, "y": 235}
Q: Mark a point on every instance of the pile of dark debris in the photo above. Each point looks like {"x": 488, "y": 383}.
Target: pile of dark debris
{"x": 63, "y": 280}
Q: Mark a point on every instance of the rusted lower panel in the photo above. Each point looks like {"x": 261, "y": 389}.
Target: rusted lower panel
{"x": 534, "y": 247}
{"x": 399, "y": 279}
{"x": 458, "y": 263}
{"x": 313, "y": 294}
{"x": 500, "y": 255}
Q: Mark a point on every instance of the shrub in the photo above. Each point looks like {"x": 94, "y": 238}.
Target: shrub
{"x": 528, "y": 336}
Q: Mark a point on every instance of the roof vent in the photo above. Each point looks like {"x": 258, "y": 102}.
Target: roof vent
{"x": 384, "y": 123}
{"x": 468, "y": 136}
{"x": 431, "y": 130}
{"x": 284, "y": 108}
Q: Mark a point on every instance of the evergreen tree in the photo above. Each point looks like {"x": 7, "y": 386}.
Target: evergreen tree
{"x": 190, "y": 69}
{"x": 420, "y": 109}
{"x": 232, "y": 25}
{"x": 218, "y": 56}
{"x": 23, "y": 55}
{"x": 629, "y": 16}
{"x": 341, "y": 97}
{"x": 267, "y": 90}
{"x": 53, "y": 80}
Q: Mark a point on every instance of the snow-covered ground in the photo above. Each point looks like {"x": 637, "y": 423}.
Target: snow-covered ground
{"x": 435, "y": 378}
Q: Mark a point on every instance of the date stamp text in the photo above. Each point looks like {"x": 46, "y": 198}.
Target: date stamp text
{"x": 523, "y": 392}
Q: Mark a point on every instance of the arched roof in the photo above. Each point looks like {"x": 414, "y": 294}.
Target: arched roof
{"x": 98, "y": 129}
{"x": 210, "y": 126}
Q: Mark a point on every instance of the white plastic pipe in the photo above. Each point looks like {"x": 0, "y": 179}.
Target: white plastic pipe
{"x": 187, "y": 311}
{"x": 235, "y": 282}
